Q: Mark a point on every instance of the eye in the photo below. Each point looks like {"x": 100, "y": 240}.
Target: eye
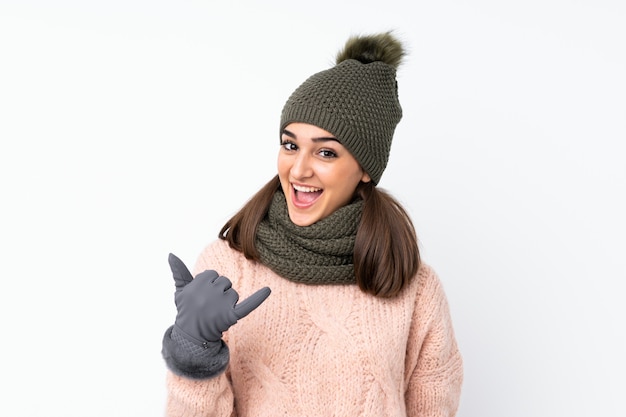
{"x": 327, "y": 153}
{"x": 289, "y": 145}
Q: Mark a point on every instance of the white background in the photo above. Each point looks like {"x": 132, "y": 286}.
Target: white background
{"x": 131, "y": 129}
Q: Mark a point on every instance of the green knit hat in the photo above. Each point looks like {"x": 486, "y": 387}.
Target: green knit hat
{"x": 356, "y": 100}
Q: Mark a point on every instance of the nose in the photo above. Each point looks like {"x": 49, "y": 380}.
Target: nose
{"x": 302, "y": 167}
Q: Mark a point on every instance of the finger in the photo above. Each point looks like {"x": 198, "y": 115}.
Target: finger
{"x": 246, "y": 306}
{"x": 181, "y": 274}
{"x": 222, "y": 283}
{"x": 209, "y": 275}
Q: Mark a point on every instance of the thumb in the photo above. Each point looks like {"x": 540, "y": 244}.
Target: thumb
{"x": 181, "y": 274}
{"x": 245, "y": 307}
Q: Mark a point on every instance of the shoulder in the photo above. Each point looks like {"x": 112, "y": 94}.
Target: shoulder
{"x": 218, "y": 255}
{"x": 427, "y": 280}
{"x": 428, "y": 291}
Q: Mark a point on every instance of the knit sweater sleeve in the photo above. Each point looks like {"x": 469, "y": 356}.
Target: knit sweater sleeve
{"x": 199, "y": 397}
{"x": 436, "y": 369}
{"x": 202, "y": 397}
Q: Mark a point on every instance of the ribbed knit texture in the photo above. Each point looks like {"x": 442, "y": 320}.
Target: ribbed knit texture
{"x": 186, "y": 358}
{"x": 317, "y": 254}
{"x": 322, "y": 350}
{"x": 356, "y": 102}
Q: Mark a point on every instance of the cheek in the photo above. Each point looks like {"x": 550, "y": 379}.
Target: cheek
{"x": 282, "y": 166}
{"x": 346, "y": 176}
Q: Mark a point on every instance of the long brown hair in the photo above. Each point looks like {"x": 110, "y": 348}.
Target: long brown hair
{"x": 386, "y": 253}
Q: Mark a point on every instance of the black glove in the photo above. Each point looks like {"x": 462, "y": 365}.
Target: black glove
{"x": 207, "y": 305}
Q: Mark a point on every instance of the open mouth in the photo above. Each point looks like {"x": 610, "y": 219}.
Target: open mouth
{"x": 305, "y": 196}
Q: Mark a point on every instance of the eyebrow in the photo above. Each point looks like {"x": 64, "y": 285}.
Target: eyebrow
{"x": 320, "y": 139}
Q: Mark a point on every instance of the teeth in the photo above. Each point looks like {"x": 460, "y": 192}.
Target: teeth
{"x": 306, "y": 189}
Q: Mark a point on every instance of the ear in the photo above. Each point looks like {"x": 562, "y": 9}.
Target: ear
{"x": 366, "y": 177}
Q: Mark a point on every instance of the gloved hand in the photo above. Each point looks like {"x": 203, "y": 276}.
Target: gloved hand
{"x": 207, "y": 305}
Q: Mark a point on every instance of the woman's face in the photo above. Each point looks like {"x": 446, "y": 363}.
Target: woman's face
{"x": 317, "y": 173}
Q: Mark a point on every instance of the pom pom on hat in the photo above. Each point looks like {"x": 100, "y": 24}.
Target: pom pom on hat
{"x": 356, "y": 100}
{"x": 366, "y": 49}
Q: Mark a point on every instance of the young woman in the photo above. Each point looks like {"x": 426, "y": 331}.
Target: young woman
{"x": 356, "y": 324}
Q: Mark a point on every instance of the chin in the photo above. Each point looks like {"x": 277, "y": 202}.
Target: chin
{"x": 300, "y": 220}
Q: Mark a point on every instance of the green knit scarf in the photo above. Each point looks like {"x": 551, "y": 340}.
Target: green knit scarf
{"x": 317, "y": 254}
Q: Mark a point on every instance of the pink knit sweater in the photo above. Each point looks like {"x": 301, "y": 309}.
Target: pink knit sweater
{"x": 328, "y": 350}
